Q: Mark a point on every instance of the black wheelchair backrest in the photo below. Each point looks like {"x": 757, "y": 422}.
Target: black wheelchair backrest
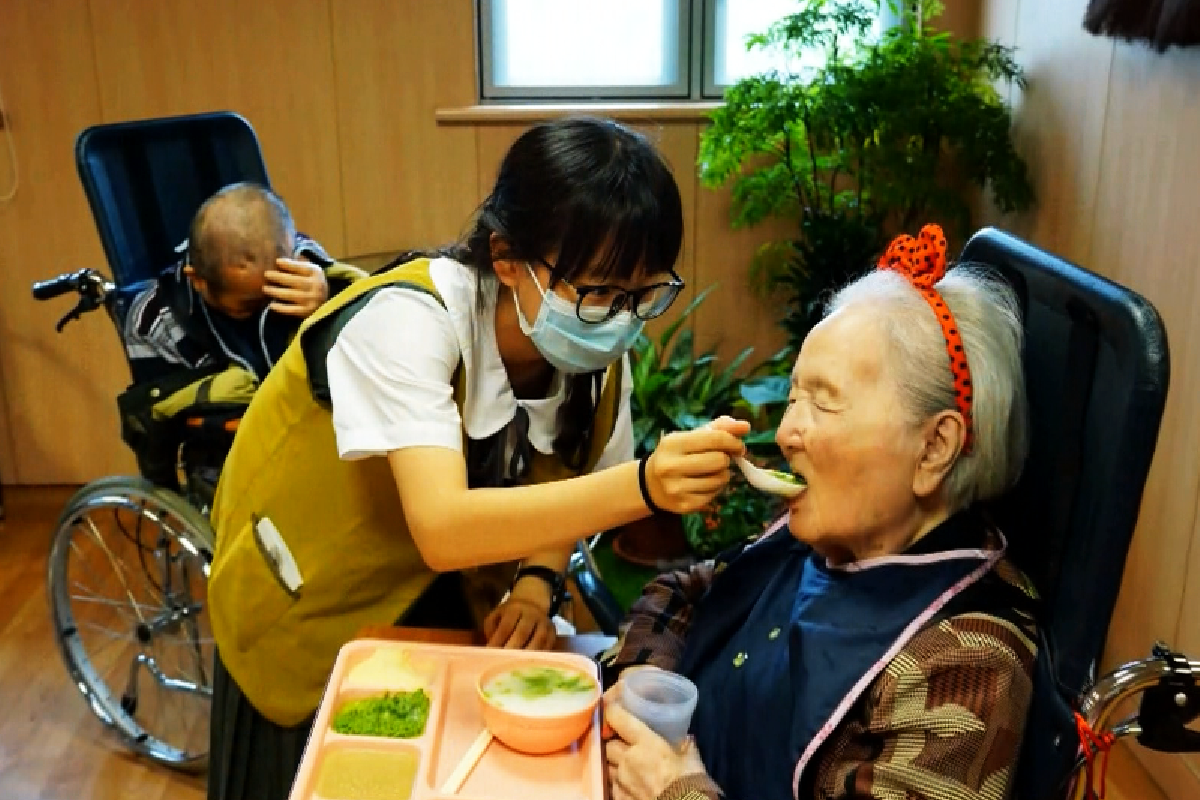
{"x": 145, "y": 179}
{"x": 1097, "y": 368}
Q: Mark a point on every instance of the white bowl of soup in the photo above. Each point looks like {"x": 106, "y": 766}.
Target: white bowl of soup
{"x": 538, "y": 706}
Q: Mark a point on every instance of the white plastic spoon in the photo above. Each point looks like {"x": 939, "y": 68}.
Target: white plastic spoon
{"x": 468, "y": 762}
{"x": 770, "y": 481}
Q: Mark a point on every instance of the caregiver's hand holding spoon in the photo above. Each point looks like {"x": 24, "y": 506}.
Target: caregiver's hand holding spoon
{"x": 689, "y": 468}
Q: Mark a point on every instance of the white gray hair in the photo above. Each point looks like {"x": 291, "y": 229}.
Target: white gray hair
{"x": 988, "y": 317}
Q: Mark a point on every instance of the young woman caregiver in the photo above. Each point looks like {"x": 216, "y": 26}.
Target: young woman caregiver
{"x": 445, "y": 414}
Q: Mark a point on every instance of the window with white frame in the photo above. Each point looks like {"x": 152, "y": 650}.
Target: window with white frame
{"x": 622, "y": 49}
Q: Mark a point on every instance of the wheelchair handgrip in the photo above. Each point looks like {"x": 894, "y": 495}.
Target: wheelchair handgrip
{"x": 47, "y": 289}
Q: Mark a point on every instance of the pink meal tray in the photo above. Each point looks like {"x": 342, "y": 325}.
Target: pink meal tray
{"x": 455, "y": 720}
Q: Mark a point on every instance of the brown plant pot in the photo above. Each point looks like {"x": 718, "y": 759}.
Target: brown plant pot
{"x": 656, "y": 541}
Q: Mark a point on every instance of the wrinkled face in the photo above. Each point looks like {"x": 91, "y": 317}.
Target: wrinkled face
{"x": 240, "y": 293}
{"x": 845, "y": 432}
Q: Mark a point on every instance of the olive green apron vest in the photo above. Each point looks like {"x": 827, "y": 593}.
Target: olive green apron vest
{"x": 341, "y": 520}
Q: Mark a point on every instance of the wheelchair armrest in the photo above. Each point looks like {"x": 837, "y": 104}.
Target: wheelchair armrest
{"x": 1170, "y": 687}
{"x": 600, "y": 601}
{"x": 1171, "y": 705}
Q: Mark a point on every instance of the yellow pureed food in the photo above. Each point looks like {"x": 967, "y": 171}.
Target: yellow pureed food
{"x": 354, "y": 774}
{"x": 391, "y": 669}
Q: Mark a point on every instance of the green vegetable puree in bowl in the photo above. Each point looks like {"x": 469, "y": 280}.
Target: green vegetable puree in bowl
{"x": 537, "y": 682}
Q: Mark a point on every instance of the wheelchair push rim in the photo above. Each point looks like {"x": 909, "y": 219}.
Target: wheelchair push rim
{"x": 127, "y": 579}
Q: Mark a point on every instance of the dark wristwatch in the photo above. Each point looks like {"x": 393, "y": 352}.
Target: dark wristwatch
{"x": 556, "y": 581}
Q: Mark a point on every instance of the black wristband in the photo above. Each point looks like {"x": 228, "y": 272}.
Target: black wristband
{"x": 556, "y": 581}
{"x": 649, "y": 501}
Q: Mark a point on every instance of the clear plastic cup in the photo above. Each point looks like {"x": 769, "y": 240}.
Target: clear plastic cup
{"x": 662, "y": 700}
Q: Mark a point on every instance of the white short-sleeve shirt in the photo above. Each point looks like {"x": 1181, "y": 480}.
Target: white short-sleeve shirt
{"x": 392, "y": 366}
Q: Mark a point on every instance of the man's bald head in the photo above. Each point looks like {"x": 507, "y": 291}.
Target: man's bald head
{"x": 236, "y": 237}
{"x": 243, "y": 226}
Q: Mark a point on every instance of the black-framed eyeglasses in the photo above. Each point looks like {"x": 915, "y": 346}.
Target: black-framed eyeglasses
{"x": 597, "y": 303}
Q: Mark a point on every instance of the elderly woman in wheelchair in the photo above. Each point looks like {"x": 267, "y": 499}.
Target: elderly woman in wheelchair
{"x": 876, "y": 642}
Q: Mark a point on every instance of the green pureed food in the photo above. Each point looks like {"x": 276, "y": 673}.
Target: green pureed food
{"x": 786, "y": 477}
{"x": 541, "y": 691}
{"x": 537, "y": 682}
{"x": 396, "y": 715}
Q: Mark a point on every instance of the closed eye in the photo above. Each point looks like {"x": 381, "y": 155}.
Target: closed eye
{"x": 820, "y": 405}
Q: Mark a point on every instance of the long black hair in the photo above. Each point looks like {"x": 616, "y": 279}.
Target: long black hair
{"x": 597, "y": 194}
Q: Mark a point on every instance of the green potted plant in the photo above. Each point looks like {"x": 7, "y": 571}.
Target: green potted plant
{"x": 886, "y": 134}
{"x": 741, "y": 512}
{"x": 675, "y": 388}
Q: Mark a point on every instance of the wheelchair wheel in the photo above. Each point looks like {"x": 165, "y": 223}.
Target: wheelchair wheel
{"x": 128, "y": 570}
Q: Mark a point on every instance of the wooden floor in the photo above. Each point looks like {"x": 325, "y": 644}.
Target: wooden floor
{"x": 51, "y": 745}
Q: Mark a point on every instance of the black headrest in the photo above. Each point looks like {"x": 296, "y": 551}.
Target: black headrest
{"x": 1097, "y": 369}
{"x": 145, "y": 180}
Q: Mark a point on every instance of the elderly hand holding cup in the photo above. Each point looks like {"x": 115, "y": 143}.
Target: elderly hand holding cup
{"x": 646, "y": 719}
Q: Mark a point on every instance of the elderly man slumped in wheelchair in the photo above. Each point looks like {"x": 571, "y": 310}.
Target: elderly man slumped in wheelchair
{"x": 248, "y": 281}
{"x": 204, "y": 334}
{"x": 876, "y": 646}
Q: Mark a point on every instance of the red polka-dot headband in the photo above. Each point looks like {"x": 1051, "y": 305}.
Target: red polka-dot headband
{"x": 923, "y": 261}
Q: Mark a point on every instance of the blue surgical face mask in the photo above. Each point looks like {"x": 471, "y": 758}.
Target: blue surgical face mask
{"x": 571, "y": 345}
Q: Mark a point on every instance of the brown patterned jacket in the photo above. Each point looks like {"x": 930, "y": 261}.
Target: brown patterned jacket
{"x": 943, "y": 721}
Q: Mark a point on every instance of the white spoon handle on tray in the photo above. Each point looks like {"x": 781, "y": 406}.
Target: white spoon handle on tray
{"x": 468, "y": 762}
{"x": 770, "y": 481}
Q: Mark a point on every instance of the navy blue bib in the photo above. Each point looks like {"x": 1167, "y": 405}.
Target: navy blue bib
{"x": 783, "y": 645}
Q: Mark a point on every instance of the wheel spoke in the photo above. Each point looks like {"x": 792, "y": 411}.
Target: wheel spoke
{"x": 131, "y": 621}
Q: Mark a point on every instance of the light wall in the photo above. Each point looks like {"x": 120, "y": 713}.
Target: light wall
{"x": 1110, "y": 130}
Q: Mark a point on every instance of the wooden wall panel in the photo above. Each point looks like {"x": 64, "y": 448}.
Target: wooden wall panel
{"x": 61, "y": 419}
{"x": 962, "y": 17}
{"x": 678, "y": 142}
{"x": 9, "y": 177}
{"x": 1060, "y": 122}
{"x": 408, "y": 182}
{"x": 1152, "y": 168}
{"x": 491, "y": 144}
{"x": 270, "y": 61}
{"x": 1146, "y": 238}
{"x": 1108, "y": 128}
{"x": 998, "y": 22}
{"x": 735, "y": 315}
